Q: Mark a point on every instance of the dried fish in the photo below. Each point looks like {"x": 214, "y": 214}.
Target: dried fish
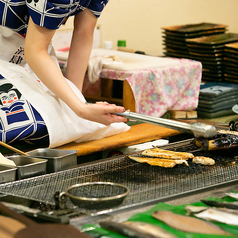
{"x": 166, "y": 163}
{"x": 167, "y": 154}
{"x": 227, "y": 216}
{"x": 203, "y": 160}
{"x": 233, "y": 195}
{"x": 149, "y": 228}
{"x": 231, "y": 205}
{"x": 136, "y": 229}
{"x": 188, "y": 224}
{"x": 195, "y": 209}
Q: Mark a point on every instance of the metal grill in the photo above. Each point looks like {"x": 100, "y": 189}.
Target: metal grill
{"x": 146, "y": 183}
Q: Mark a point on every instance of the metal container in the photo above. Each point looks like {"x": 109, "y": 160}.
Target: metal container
{"x": 28, "y": 166}
{"x": 7, "y": 173}
{"x": 57, "y": 159}
{"x": 95, "y": 195}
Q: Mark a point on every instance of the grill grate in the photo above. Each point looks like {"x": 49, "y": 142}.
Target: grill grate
{"x": 146, "y": 183}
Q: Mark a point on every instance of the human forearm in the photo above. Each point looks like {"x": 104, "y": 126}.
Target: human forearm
{"x": 36, "y": 55}
{"x": 81, "y": 47}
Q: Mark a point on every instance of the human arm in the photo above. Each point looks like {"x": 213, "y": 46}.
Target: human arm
{"x": 36, "y": 55}
{"x": 81, "y": 46}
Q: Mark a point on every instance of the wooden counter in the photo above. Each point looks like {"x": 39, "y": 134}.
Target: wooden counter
{"x": 137, "y": 134}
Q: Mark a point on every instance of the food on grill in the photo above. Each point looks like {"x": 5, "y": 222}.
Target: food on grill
{"x": 136, "y": 229}
{"x": 168, "y": 158}
{"x": 224, "y": 140}
{"x": 188, "y": 224}
{"x": 235, "y": 133}
{"x": 203, "y": 160}
{"x": 224, "y": 215}
{"x": 167, "y": 154}
{"x": 166, "y": 163}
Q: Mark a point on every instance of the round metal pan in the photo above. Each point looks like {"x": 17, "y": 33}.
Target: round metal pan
{"x": 94, "y": 195}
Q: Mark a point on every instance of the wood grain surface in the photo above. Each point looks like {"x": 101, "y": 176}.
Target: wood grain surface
{"x": 137, "y": 134}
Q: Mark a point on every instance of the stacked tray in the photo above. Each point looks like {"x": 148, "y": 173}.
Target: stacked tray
{"x": 217, "y": 99}
{"x": 175, "y": 37}
{"x": 231, "y": 62}
{"x": 209, "y": 50}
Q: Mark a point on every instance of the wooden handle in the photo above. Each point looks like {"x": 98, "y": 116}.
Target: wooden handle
{"x": 13, "y": 149}
{"x": 10, "y": 213}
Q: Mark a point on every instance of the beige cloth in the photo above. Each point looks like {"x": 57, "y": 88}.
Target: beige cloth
{"x": 96, "y": 64}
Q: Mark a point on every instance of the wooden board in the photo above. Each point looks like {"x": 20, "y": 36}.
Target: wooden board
{"x": 137, "y": 134}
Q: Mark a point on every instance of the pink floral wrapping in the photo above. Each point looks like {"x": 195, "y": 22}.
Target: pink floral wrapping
{"x": 158, "y": 90}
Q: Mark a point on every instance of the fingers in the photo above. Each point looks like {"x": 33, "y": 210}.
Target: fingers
{"x": 104, "y": 113}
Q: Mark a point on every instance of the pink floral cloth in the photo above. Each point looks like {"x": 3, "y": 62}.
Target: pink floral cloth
{"x": 158, "y": 90}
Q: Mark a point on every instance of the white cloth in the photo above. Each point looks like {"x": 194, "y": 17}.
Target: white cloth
{"x": 63, "y": 124}
{"x": 96, "y": 64}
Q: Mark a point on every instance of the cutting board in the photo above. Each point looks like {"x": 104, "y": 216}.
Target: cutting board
{"x": 137, "y": 134}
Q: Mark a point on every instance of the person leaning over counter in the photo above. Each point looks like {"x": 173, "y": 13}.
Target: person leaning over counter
{"x": 38, "y": 21}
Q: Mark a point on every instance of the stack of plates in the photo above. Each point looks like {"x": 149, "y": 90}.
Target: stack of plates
{"x": 217, "y": 99}
{"x": 175, "y": 37}
{"x": 231, "y": 62}
{"x": 209, "y": 51}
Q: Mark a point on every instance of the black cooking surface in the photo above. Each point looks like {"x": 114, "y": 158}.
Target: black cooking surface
{"x": 146, "y": 183}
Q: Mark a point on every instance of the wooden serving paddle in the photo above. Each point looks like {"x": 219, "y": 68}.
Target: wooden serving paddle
{"x": 44, "y": 230}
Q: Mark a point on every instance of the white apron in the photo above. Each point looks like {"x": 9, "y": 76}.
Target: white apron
{"x": 62, "y": 123}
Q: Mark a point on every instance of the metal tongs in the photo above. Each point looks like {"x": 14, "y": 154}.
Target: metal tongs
{"x": 198, "y": 129}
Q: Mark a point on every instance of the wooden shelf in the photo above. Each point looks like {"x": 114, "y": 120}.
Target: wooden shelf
{"x": 106, "y": 94}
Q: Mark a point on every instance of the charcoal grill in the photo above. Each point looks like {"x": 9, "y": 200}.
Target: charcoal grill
{"x": 146, "y": 183}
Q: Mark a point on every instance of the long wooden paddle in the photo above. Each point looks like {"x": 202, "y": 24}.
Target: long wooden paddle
{"x": 44, "y": 230}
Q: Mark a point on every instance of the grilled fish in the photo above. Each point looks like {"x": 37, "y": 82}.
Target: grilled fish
{"x": 227, "y": 132}
{"x": 188, "y": 224}
{"x": 224, "y": 215}
{"x": 224, "y": 140}
{"x": 167, "y": 154}
{"x": 166, "y": 163}
{"x": 136, "y": 229}
{"x": 203, "y": 160}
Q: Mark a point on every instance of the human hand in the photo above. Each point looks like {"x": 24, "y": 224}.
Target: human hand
{"x": 103, "y": 112}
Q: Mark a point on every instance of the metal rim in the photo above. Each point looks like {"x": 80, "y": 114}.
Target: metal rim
{"x": 97, "y": 199}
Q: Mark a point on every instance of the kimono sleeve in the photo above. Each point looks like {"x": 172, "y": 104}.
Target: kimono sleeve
{"x": 96, "y": 6}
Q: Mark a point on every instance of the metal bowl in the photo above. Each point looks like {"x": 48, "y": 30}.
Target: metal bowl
{"x": 96, "y": 195}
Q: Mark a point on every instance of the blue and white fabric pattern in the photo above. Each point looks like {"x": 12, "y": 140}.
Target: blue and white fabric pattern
{"x": 18, "y": 119}
{"x": 46, "y": 13}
